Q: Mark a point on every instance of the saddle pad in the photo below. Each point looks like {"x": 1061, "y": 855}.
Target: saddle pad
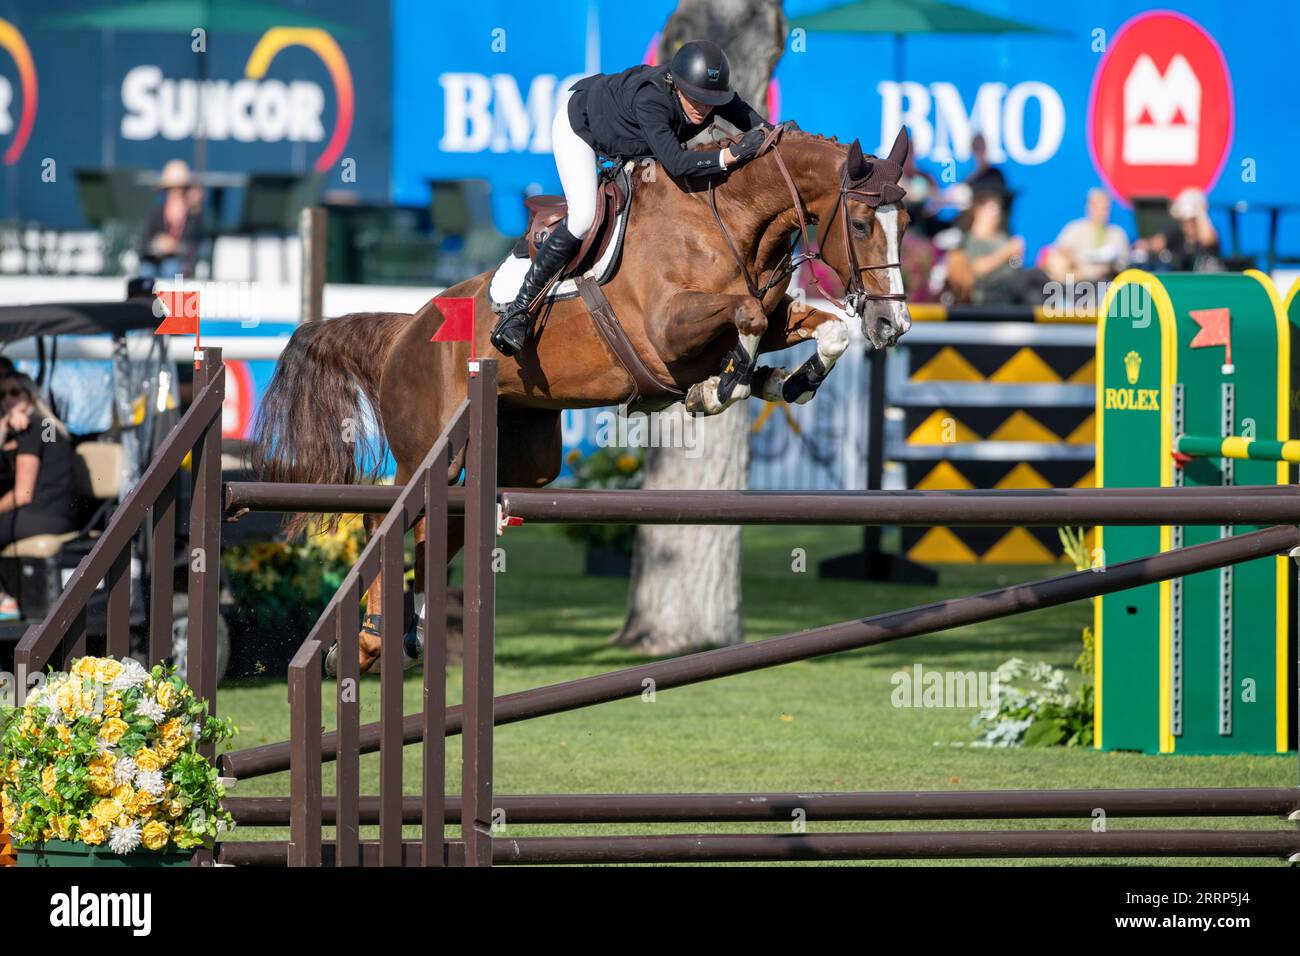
{"x": 509, "y": 276}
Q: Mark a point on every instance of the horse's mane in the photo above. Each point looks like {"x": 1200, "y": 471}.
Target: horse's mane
{"x": 718, "y": 140}
{"x": 789, "y": 136}
{"x": 799, "y": 135}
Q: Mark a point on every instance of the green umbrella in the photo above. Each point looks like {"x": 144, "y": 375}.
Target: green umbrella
{"x": 170, "y": 16}
{"x": 903, "y": 17}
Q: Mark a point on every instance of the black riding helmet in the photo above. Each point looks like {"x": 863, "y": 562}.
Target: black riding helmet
{"x": 701, "y": 71}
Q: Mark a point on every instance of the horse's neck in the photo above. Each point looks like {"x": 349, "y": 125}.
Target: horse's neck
{"x": 764, "y": 208}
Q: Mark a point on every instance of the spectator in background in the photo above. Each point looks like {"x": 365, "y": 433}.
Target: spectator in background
{"x": 988, "y": 266}
{"x": 985, "y": 178}
{"x": 171, "y": 237}
{"x": 1190, "y": 243}
{"x": 38, "y": 450}
{"x": 923, "y": 194}
{"x": 1089, "y": 249}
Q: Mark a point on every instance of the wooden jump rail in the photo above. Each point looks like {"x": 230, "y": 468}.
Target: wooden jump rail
{"x": 969, "y": 507}
{"x": 560, "y": 808}
{"x": 776, "y": 848}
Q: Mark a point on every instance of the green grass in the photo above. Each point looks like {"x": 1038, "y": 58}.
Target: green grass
{"x": 826, "y": 724}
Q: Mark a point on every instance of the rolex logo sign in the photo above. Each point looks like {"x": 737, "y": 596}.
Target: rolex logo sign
{"x": 1132, "y": 366}
{"x": 1132, "y": 399}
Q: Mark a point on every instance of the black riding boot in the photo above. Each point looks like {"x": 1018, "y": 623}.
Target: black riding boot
{"x": 512, "y": 329}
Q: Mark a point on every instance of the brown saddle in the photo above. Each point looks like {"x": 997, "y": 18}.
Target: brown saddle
{"x": 545, "y": 212}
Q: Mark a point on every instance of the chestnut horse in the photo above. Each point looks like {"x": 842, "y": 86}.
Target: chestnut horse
{"x": 679, "y": 293}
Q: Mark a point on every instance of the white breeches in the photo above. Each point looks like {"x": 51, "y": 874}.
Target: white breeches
{"x": 576, "y": 162}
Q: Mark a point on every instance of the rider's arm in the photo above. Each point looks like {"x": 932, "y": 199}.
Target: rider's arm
{"x": 740, "y": 114}
{"x": 653, "y": 116}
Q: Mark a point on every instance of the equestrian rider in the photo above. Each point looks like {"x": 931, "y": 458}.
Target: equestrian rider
{"x": 644, "y": 111}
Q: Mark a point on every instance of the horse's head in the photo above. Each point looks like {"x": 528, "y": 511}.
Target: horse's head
{"x": 862, "y": 240}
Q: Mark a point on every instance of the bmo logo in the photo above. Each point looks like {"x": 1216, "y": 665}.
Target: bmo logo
{"x": 942, "y": 124}
{"x": 1160, "y": 112}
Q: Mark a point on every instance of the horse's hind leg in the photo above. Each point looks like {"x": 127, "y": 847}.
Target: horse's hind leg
{"x": 792, "y": 323}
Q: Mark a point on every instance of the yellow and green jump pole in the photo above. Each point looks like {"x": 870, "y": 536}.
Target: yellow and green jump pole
{"x": 1253, "y": 449}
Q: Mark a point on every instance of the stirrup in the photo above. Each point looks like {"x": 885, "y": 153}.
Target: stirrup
{"x": 502, "y": 337}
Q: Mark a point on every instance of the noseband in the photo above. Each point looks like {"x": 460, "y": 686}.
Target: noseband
{"x": 858, "y": 294}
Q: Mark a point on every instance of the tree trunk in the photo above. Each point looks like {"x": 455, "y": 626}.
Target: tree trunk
{"x": 685, "y": 588}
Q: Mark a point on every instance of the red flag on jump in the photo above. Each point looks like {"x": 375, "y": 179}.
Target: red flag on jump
{"x": 1216, "y": 329}
{"x": 182, "y": 313}
{"x": 457, "y": 320}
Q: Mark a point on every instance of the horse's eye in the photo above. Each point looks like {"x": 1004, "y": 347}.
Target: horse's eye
{"x": 861, "y": 227}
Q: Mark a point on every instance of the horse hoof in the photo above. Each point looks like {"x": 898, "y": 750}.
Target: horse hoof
{"x": 332, "y": 662}
{"x": 702, "y": 398}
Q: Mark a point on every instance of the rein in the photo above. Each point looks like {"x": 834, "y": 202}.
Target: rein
{"x": 857, "y": 293}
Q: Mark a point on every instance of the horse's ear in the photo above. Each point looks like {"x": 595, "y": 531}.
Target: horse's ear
{"x": 902, "y": 146}
{"x": 856, "y": 164}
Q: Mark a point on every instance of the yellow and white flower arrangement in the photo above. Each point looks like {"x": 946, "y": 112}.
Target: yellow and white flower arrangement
{"x": 107, "y": 755}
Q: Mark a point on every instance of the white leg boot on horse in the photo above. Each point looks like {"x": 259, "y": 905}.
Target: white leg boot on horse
{"x": 799, "y": 387}
{"x": 793, "y": 322}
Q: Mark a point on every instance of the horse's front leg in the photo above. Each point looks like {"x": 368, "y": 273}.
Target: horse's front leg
{"x": 792, "y": 322}
{"x": 693, "y": 320}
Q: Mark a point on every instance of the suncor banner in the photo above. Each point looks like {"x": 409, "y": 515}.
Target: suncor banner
{"x": 1142, "y": 102}
{"x": 93, "y": 85}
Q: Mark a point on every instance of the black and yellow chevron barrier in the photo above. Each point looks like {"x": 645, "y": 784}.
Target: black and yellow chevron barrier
{"x": 1008, "y": 406}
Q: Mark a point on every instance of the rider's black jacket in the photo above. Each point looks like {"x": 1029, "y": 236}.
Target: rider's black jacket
{"x": 633, "y": 114}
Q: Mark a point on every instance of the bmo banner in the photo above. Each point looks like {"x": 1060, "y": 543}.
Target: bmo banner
{"x": 942, "y": 124}
{"x": 286, "y": 87}
{"x": 1140, "y": 100}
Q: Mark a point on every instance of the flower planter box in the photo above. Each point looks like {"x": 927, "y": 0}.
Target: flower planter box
{"x": 65, "y": 853}
{"x": 111, "y": 751}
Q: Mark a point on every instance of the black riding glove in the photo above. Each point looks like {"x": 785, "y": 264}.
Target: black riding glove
{"x": 749, "y": 144}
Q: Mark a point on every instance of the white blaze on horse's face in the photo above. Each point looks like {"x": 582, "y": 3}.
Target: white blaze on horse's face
{"x": 884, "y": 320}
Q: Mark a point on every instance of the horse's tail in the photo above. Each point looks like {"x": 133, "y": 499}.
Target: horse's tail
{"x": 318, "y": 422}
